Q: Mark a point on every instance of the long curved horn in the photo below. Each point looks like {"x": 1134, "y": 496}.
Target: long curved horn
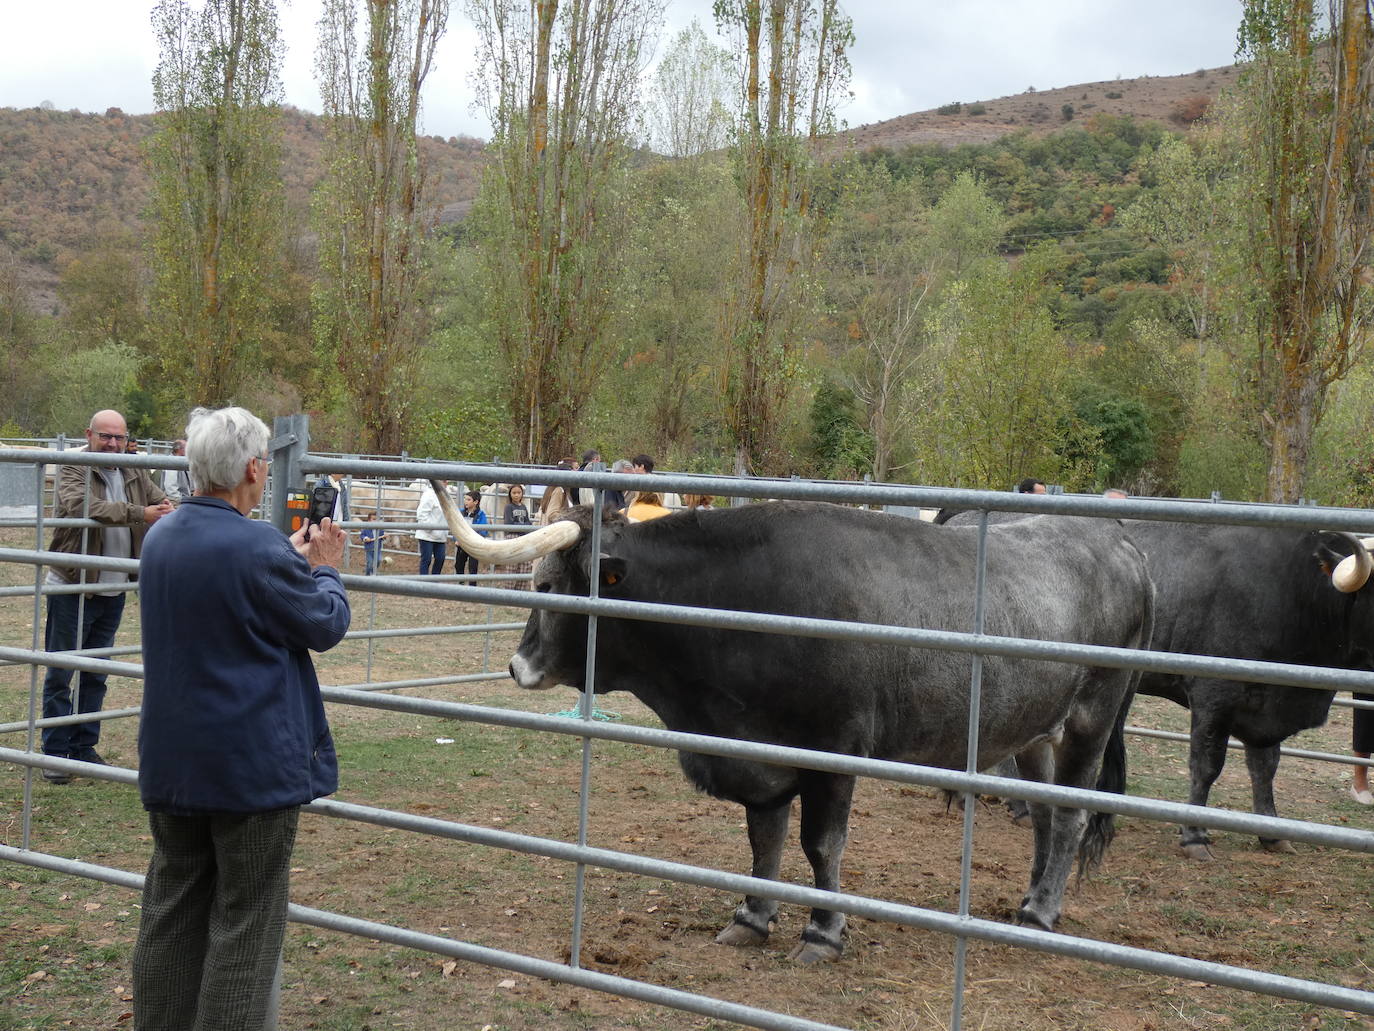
{"x": 526, "y": 548}
{"x": 1352, "y": 572}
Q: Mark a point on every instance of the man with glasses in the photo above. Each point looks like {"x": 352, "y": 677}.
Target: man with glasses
{"x": 125, "y": 502}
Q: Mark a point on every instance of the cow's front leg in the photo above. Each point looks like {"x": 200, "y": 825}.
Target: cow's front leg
{"x": 825, "y": 802}
{"x": 1263, "y": 763}
{"x": 767, "y": 835}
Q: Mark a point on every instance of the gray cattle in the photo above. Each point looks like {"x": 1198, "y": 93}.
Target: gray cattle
{"x": 1251, "y": 593}
{"x": 1242, "y": 592}
{"x": 1077, "y": 580}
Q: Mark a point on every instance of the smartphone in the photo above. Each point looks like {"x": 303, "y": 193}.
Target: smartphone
{"x": 321, "y": 505}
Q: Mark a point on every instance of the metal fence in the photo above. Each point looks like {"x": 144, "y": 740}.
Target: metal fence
{"x": 294, "y": 464}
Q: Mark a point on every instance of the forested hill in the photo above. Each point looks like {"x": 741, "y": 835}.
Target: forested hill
{"x": 68, "y": 179}
{"x": 1176, "y": 100}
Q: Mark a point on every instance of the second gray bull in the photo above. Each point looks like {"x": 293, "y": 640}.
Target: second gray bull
{"x": 1059, "y": 580}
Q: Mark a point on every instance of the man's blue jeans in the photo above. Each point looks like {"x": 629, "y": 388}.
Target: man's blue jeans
{"x": 99, "y": 621}
{"x": 432, "y": 557}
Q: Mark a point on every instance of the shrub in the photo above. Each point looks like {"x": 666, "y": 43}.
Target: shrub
{"x": 1113, "y": 95}
{"x": 977, "y": 109}
{"x": 1067, "y": 112}
{"x": 1189, "y": 110}
{"x": 949, "y": 109}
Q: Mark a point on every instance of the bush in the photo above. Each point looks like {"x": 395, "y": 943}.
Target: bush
{"x": 949, "y": 109}
{"x": 1113, "y": 94}
{"x": 1067, "y": 112}
{"x": 977, "y": 109}
{"x": 1189, "y": 110}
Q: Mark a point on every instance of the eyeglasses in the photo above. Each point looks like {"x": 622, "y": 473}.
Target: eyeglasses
{"x": 265, "y": 459}
{"x": 106, "y": 438}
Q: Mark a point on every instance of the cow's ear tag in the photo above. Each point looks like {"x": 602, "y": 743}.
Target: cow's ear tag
{"x": 612, "y": 570}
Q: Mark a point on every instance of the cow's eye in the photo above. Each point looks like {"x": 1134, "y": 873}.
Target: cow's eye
{"x": 543, "y": 588}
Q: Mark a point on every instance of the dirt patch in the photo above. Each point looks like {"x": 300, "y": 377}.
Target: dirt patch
{"x": 1307, "y": 915}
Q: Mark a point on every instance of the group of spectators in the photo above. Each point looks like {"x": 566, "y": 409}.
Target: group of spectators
{"x": 432, "y": 540}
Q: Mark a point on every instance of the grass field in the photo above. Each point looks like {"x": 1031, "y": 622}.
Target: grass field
{"x": 65, "y": 942}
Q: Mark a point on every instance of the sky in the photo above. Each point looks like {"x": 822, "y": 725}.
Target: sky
{"x": 908, "y": 55}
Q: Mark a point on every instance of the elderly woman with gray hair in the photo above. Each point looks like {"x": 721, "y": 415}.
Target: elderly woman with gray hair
{"x": 233, "y": 738}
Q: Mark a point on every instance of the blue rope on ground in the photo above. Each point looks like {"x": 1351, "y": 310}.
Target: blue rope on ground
{"x": 604, "y": 715}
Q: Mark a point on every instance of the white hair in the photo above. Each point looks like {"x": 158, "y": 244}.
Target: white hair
{"x": 219, "y": 444}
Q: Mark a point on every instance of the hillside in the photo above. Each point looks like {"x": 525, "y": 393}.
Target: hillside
{"x": 1177, "y": 100}
{"x": 68, "y": 179}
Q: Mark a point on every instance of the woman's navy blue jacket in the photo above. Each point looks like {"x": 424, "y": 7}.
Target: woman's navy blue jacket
{"x": 232, "y": 716}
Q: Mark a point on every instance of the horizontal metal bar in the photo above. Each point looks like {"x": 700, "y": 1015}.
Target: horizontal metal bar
{"x": 1319, "y": 677}
{"x": 68, "y": 561}
{"x": 873, "y": 909}
{"x": 366, "y": 695}
{"x": 396, "y": 685}
{"x": 882, "y": 769}
{"x": 90, "y": 653}
{"x": 984, "y": 930}
{"x": 66, "y": 660}
{"x": 1234, "y": 745}
{"x": 429, "y": 631}
{"x": 1170, "y": 510}
{"x": 717, "y": 1009}
{"x": 51, "y": 589}
{"x": 74, "y": 718}
{"x": 77, "y": 456}
{"x": 10, "y": 522}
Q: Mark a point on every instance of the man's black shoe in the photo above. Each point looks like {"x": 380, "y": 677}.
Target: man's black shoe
{"x": 90, "y": 755}
{"x": 57, "y": 776}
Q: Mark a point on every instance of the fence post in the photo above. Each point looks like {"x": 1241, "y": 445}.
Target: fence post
{"x": 290, "y": 440}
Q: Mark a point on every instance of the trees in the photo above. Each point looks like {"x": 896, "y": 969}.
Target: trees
{"x": 1307, "y": 123}
{"x": 369, "y": 210}
{"x": 217, "y": 191}
{"x": 1185, "y": 213}
{"x": 687, "y": 111}
{"x": 665, "y": 391}
{"x": 998, "y": 405}
{"x": 558, "y": 80}
{"x": 889, "y": 255}
{"x": 794, "y": 64}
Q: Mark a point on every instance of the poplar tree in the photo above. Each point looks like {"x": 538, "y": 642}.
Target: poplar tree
{"x": 689, "y": 108}
{"x": 1309, "y": 129}
{"x": 794, "y": 64}
{"x": 559, "y": 81}
{"x": 372, "y": 62}
{"x": 218, "y": 194}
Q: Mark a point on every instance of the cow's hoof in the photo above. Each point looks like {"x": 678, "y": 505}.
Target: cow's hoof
{"x": 1201, "y": 852}
{"x": 1277, "y": 845}
{"x": 809, "y": 953}
{"x": 736, "y": 933}
{"x": 1031, "y": 918}
{"x": 1022, "y": 819}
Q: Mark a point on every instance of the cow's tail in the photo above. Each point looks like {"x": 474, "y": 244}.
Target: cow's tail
{"x": 1101, "y": 827}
